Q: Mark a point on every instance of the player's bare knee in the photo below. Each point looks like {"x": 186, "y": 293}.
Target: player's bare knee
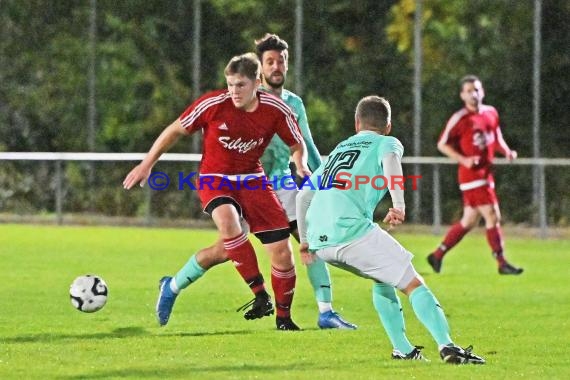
{"x": 413, "y": 285}
{"x": 468, "y": 224}
{"x": 283, "y": 259}
{"x": 281, "y": 255}
{"x": 229, "y": 229}
{"x": 491, "y": 219}
{"x": 227, "y": 221}
{"x": 497, "y": 219}
{"x": 410, "y": 280}
{"x": 211, "y": 256}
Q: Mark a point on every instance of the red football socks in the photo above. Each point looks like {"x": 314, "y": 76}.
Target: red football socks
{"x": 241, "y": 252}
{"x": 454, "y": 236}
{"x": 283, "y": 283}
{"x": 495, "y": 239}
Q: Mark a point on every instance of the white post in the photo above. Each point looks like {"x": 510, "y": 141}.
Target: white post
{"x": 539, "y": 194}
{"x": 196, "y": 62}
{"x": 299, "y": 47}
{"x": 417, "y": 105}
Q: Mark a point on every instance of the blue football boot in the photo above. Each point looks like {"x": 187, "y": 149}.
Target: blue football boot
{"x": 166, "y": 298}
{"x": 332, "y": 320}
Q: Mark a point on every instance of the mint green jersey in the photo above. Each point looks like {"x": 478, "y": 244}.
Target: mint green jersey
{"x": 275, "y": 159}
{"x": 338, "y": 216}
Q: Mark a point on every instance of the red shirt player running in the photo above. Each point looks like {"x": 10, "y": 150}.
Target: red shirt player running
{"x": 238, "y": 124}
{"x": 471, "y": 137}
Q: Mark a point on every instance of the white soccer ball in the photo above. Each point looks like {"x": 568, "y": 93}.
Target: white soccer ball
{"x": 88, "y": 293}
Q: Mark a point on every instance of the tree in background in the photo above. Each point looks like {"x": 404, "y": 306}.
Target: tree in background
{"x": 350, "y": 49}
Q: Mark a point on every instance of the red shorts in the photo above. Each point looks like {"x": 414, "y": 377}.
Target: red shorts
{"x": 255, "y": 200}
{"x": 479, "y": 196}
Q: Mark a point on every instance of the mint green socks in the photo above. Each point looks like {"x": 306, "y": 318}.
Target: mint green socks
{"x": 430, "y": 314}
{"x": 320, "y": 279}
{"x": 189, "y": 273}
{"x": 388, "y": 306}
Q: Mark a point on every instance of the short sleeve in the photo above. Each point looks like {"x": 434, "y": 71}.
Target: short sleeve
{"x": 390, "y": 145}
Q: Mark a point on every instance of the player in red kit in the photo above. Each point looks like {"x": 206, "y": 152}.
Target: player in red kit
{"x": 471, "y": 137}
{"x": 237, "y": 125}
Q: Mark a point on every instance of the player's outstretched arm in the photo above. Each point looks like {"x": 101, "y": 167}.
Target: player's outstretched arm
{"x": 503, "y": 147}
{"x": 304, "y": 198}
{"x": 165, "y": 140}
{"x": 391, "y": 163}
{"x": 450, "y": 152}
{"x": 299, "y": 155}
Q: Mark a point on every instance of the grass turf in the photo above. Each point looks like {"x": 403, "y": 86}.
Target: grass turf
{"x": 519, "y": 324}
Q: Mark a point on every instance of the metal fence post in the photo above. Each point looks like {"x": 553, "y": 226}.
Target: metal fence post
{"x": 148, "y": 201}
{"x": 299, "y": 47}
{"x": 417, "y": 93}
{"x": 542, "y": 203}
{"x": 436, "y": 229}
{"x": 58, "y": 193}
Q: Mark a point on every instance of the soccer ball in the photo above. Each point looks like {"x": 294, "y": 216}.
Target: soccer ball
{"x": 88, "y": 293}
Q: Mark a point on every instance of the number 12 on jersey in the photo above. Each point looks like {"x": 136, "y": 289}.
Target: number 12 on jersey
{"x": 340, "y": 161}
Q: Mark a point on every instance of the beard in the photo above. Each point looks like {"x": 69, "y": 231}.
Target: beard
{"x": 475, "y": 102}
{"x": 275, "y": 82}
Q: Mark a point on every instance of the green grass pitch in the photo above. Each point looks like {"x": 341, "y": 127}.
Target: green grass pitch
{"x": 519, "y": 324}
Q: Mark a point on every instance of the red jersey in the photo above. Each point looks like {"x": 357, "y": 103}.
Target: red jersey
{"x": 473, "y": 134}
{"x": 234, "y": 139}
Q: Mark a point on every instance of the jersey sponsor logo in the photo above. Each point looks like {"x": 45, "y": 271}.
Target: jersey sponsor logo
{"x": 239, "y": 145}
{"x": 479, "y": 140}
{"x": 483, "y": 139}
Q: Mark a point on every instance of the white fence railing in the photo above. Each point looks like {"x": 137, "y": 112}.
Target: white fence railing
{"x": 538, "y": 166}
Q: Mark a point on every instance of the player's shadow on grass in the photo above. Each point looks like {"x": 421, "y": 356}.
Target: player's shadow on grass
{"x": 208, "y": 333}
{"x": 119, "y": 333}
{"x": 221, "y": 371}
